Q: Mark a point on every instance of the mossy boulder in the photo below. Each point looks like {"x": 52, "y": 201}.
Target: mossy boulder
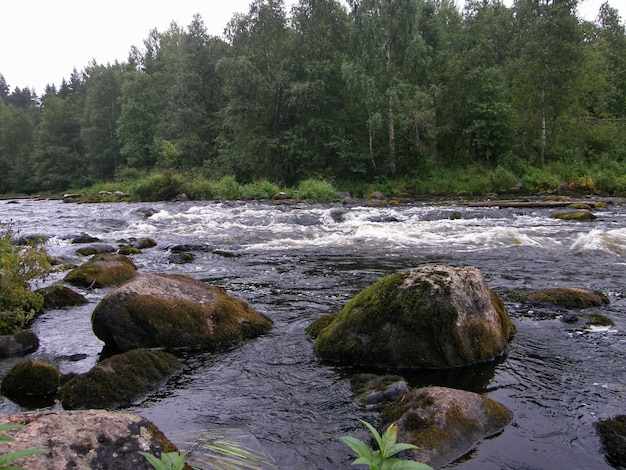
{"x": 84, "y": 440}
{"x": 613, "y": 437}
{"x": 568, "y": 297}
{"x": 103, "y": 270}
{"x": 31, "y": 379}
{"x": 445, "y": 423}
{"x": 428, "y": 317}
{"x": 20, "y": 344}
{"x": 575, "y": 215}
{"x": 118, "y": 380}
{"x": 173, "y": 311}
{"x": 60, "y": 296}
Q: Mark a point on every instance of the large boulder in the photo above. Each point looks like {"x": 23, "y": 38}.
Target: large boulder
{"x": 118, "y": 380}
{"x": 445, "y": 423}
{"x": 173, "y": 311}
{"x": 84, "y": 440}
{"x": 104, "y": 270}
{"x": 428, "y": 317}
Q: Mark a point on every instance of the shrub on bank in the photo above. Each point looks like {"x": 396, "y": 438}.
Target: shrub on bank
{"x": 19, "y": 266}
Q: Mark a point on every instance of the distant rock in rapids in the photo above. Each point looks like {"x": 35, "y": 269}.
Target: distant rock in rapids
{"x": 428, "y": 317}
{"x": 173, "y": 311}
{"x": 103, "y": 270}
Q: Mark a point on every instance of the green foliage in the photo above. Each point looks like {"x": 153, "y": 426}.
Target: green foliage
{"x": 261, "y": 189}
{"x": 383, "y": 458}
{"x": 11, "y": 457}
{"x": 168, "y": 460}
{"x": 159, "y": 186}
{"x": 19, "y": 266}
{"x": 316, "y": 189}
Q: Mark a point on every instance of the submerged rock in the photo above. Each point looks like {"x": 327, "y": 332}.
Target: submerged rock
{"x": 85, "y": 440}
{"x": 428, "y": 317}
{"x": 568, "y": 297}
{"x": 95, "y": 248}
{"x": 579, "y": 215}
{"x": 374, "y": 391}
{"x": 118, "y": 380}
{"x": 31, "y": 379}
{"x": 161, "y": 310}
{"x": 613, "y": 436}
{"x": 445, "y": 423}
{"x": 102, "y": 270}
{"x": 20, "y": 344}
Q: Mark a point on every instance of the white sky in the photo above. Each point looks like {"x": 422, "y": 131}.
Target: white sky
{"x": 42, "y": 41}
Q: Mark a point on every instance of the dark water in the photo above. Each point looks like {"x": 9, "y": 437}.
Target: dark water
{"x": 296, "y": 263}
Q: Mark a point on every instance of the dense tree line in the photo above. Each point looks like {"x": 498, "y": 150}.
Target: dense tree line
{"x": 380, "y": 89}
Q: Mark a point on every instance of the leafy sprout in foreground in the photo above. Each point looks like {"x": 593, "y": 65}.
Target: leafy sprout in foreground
{"x": 383, "y": 458}
{"x": 6, "y": 459}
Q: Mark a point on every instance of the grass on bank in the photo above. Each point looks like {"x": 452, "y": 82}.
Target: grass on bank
{"x": 607, "y": 178}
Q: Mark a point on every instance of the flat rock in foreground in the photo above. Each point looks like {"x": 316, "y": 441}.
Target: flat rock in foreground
{"x": 84, "y": 440}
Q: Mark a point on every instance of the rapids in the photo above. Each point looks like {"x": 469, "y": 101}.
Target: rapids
{"x": 298, "y": 262}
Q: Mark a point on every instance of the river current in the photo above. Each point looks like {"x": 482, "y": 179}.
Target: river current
{"x": 298, "y": 262}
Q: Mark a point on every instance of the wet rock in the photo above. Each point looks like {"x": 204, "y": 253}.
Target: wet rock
{"x": 20, "y": 344}
{"x": 613, "y": 436}
{"x": 428, "y": 317}
{"x": 85, "y": 238}
{"x": 568, "y": 297}
{"x": 59, "y": 296}
{"x": 102, "y": 270}
{"x": 32, "y": 239}
{"x": 143, "y": 243}
{"x": 581, "y": 215}
{"x": 375, "y": 391}
{"x": 70, "y": 198}
{"x": 146, "y": 212}
{"x": 128, "y": 250}
{"x": 322, "y": 322}
{"x": 31, "y": 379}
{"x": 181, "y": 258}
{"x": 85, "y": 440}
{"x": 161, "y": 310}
{"x": 445, "y": 423}
{"x": 95, "y": 248}
{"x": 118, "y": 380}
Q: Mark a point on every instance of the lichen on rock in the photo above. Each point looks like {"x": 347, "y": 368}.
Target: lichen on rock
{"x": 104, "y": 270}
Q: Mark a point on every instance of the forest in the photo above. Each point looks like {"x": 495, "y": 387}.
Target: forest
{"x": 414, "y": 92}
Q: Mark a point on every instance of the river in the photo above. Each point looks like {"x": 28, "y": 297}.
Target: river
{"x": 298, "y": 262}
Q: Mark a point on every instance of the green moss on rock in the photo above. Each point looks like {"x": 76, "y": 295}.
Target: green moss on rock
{"x": 321, "y": 323}
{"x": 568, "y": 297}
{"x": 579, "y": 215}
{"x": 444, "y": 423}
{"x": 102, "y": 270}
{"x": 118, "y": 380}
{"x": 613, "y": 437}
{"x": 430, "y": 317}
{"x": 31, "y": 379}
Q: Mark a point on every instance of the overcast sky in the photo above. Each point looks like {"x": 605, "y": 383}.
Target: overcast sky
{"x": 42, "y": 41}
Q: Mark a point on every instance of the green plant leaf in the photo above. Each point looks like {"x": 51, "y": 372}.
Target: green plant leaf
{"x": 358, "y": 446}
{"x": 18, "y": 454}
{"x": 373, "y": 432}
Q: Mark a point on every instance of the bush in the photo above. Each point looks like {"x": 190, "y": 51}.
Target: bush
{"x": 19, "y": 265}
{"x": 262, "y": 189}
{"x": 158, "y": 186}
{"x": 316, "y": 189}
